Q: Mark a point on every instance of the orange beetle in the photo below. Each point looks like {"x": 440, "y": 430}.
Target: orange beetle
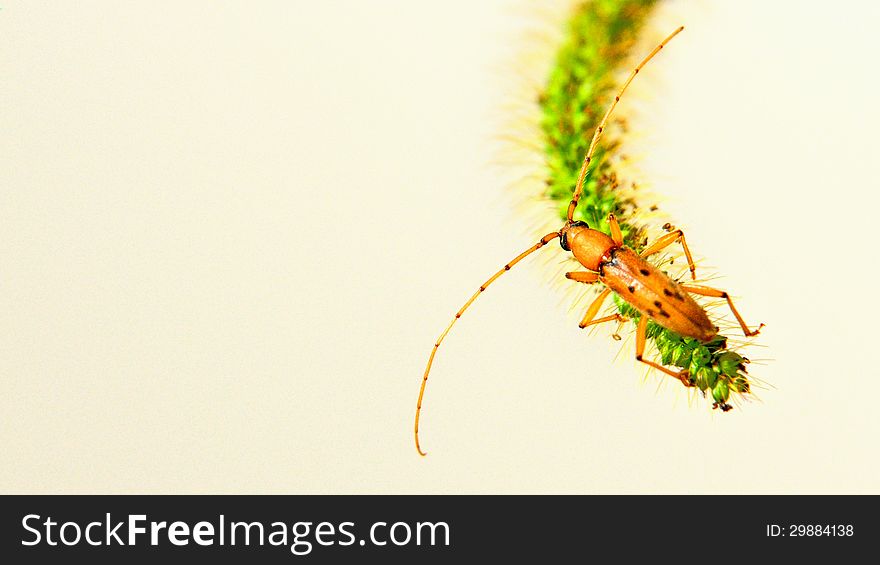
{"x": 621, "y": 270}
{"x": 649, "y": 290}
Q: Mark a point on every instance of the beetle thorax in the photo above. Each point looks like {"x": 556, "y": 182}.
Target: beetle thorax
{"x": 588, "y": 246}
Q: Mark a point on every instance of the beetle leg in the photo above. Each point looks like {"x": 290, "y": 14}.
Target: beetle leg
{"x": 665, "y": 242}
{"x": 594, "y": 309}
{"x": 715, "y": 293}
{"x": 609, "y": 318}
{"x": 615, "y": 230}
{"x": 640, "y": 350}
{"x": 586, "y": 277}
{"x": 616, "y": 334}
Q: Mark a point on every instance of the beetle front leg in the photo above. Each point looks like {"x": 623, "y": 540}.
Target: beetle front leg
{"x": 586, "y": 277}
{"x": 715, "y": 293}
{"x": 641, "y": 333}
{"x": 668, "y": 240}
{"x": 616, "y": 235}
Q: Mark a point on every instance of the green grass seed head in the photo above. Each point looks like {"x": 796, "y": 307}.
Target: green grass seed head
{"x": 599, "y": 37}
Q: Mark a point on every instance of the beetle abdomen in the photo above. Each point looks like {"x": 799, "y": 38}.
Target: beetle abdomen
{"x": 654, "y": 294}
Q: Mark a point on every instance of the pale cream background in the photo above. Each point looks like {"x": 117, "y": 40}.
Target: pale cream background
{"x": 229, "y": 233}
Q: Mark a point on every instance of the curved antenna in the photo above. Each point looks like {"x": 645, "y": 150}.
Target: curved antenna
{"x": 484, "y": 286}
{"x": 598, "y": 133}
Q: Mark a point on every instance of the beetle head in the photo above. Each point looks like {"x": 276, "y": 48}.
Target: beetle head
{"x": 569, "y": 227}
{"x": 587, "y": 245}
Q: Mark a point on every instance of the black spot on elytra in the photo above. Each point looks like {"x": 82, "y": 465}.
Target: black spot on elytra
{"x": 664, "y": 313}
{"x": 645, "y": 272}
{"x": 658, "y": 304}
{"x": 631, "y": 288}
{"x": 650, "y": 313}
{"x": 667, "y": 292}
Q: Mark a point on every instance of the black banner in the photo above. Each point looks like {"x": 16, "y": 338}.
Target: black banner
{"x": 318, "y": 529}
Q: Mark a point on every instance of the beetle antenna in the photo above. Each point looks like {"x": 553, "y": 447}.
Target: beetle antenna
{"x": 598, "y": 133}
{"x": 547, "y": 238}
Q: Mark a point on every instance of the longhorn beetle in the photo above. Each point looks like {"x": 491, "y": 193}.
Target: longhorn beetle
{"x": 621, "y": 270}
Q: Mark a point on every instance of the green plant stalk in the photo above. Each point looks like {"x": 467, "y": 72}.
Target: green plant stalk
{"x": 600, "y": 35}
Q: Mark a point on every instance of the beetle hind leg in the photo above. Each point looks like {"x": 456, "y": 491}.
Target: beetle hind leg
{"x": 641, "y": 333}
{"x": 715, "y": 293}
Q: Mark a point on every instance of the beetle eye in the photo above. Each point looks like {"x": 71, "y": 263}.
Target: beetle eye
{"x": 563, "y": 242}
{"x": 580, "y": 224}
